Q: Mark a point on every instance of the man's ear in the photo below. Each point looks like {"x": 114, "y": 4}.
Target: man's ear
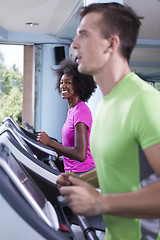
{"x": 114, "y": 43}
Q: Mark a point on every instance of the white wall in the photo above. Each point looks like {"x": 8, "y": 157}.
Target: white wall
{"x": 94, "y": 100}
{"x": 51, "y": 109}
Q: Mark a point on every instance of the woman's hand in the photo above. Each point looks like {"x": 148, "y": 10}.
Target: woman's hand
{"x": 43, "y": 138}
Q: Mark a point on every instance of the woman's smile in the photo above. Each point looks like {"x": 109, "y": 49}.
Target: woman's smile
{"x": 66, "y": 87}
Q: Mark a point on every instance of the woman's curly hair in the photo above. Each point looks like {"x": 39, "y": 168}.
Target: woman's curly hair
{"x": 83, "y": 84}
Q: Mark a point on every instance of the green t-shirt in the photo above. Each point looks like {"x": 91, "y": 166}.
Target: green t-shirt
{"x": 126, "y": 119}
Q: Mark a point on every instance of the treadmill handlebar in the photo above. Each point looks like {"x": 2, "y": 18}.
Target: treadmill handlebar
{"x": 89, "y": 232}
{"x": 29, "y": 127}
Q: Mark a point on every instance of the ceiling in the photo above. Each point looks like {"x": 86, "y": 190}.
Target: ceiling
{"x": 57, "y": 22}
{"x": 146, "y": 55}
{"x": 52, "y": 19}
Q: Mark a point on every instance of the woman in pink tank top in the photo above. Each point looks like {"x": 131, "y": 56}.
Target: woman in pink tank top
{"x": 75, "y": 148}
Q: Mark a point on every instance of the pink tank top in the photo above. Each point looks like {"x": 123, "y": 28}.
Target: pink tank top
{"x": 80, "y": 113}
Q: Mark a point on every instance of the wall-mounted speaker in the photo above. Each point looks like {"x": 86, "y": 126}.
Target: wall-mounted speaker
{"x": 59, "y": 53}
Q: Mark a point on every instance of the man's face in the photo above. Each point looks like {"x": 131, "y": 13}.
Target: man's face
{"x": 90, "y": 45}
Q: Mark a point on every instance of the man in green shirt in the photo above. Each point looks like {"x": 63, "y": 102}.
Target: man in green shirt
{"x": 125, "y": 136}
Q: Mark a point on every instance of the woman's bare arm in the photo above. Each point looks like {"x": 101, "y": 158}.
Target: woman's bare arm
{"x": 78, "y": 152}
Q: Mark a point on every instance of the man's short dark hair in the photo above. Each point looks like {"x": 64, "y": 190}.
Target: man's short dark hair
{"x": 118, "y": 20}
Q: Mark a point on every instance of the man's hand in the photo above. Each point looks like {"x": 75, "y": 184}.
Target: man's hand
{"x": 82, "y": 197}
{"x": 63, "y": 179}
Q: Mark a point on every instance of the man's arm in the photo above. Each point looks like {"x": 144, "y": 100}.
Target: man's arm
{"x": 143, "y": 203}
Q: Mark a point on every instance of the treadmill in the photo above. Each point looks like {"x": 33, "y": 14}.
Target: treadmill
{"x": 42, "y": 152}
{"x": 22, "y": 202}
{"x": 42, "y": 174}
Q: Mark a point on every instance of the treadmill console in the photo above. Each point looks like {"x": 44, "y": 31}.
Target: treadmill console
{"x": 31, "y": 193}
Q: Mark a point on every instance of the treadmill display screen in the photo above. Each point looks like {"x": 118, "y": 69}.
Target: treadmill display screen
{"x": 28, "y": 189}
{"x": 25, "y": 180}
